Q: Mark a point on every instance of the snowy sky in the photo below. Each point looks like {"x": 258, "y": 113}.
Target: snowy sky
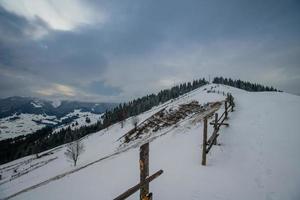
{"x": 117, "y": 50}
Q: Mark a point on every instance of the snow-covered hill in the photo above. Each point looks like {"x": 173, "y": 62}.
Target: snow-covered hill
{"x": 23, "y": 124}
{"x": 25, "y": 115}
{"x": 257, "y": 157}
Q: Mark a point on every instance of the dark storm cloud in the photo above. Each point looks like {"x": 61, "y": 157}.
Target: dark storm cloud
{"x": 144, "y": 46}
{"x": 65, "y": 57}
{"x": 60, "y": 57}
{"x": 11, "y": 26}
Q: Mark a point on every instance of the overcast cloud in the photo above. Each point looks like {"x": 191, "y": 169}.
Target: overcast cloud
{"x": 118, "y": 50}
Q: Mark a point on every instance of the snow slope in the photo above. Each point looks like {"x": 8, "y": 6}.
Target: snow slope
{"x": 257, "y": 159}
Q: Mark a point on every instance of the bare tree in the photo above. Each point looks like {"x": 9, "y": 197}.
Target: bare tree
{"x": 37, "y": 149}
{"x": 135, "y": 121}
{"x": 122, "y": 116}
{"x": 74, "y": 150}
{"x": 122, "y": 123}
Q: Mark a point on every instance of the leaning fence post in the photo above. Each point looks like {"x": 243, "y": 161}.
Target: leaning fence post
{"x": 216, "y": 127}
{"x": 226, "y": 112}
{"x": 231, "y": 103}
{"x": 144, "y": 169}
{"x": 204, "y": 140}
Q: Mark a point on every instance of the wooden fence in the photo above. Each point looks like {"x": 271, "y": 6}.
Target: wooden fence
{"x": 216, "y": 123}
{"x": 145, "y": 179}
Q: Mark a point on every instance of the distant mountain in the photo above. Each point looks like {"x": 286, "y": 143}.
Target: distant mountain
{"x": 25, "y": 115}
{"x": 28, "y": 105}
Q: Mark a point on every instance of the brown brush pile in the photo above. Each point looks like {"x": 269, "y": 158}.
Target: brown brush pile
{"x": 166, "y": 118}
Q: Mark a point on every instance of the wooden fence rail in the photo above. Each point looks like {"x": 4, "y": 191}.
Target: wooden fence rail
{"x": 217, "y": 123}
{"x": 145, "y": 179}
{"x": 138, "y": 186}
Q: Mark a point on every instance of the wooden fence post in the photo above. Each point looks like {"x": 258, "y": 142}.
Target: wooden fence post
{"x": 144, "y": 169}
{"x": 226, "y": 112}
{"x": 216, "y": 127}
{"x": 204, "y": 140}
{"x": 231, "y": 103}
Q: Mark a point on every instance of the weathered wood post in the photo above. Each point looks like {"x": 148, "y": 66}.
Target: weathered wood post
{"x": 226, "y": 107}
{"x": 216, "y": 127}
{"x": 231, "y": 103}
{"x": 204, "y": 140}
{"x": 144, "y": 169}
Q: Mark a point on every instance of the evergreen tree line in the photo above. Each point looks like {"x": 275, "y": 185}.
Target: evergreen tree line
{"x": 45, "y": 139}
{"x": 140, "y": 105}
{"x": 245, "y": 85}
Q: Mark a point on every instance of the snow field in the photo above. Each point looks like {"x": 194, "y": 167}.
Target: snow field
{"x": 257, "y": 159}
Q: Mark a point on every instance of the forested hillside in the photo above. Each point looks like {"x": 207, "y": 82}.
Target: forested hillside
{"x": 44, "y": 139}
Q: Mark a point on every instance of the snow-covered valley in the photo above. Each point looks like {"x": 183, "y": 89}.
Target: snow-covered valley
{"x": 23, "y": 124}
{"x": 20, "y": 116}
{"x": 257, "y": 157}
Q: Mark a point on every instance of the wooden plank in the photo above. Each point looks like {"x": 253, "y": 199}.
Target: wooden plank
{"x": 144, "y": 169}
{"x": 133, "y": 130}
{"x": 163, "y": 121}
{"x": 212, "y": 143}
{"x": 229, "y": 108}
{"x": 212, "y": 137}
{"x": 226, "y": 110}
{"x": 204, "y": 141}
{"x": 219, "y": 124}
{"x": 222, "y": 122}
{"x": 183, "y": 113}
{"x": 138, "y": 186}
{"x": 153, "y": 122}
{"x": 216, "y": 128}
{"x": 223, "y": 114}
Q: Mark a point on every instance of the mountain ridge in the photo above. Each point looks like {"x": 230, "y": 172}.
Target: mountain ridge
{"x": 33, "y": 105}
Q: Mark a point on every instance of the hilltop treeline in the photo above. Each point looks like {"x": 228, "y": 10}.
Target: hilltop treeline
{"x": 245, "y": 85}
{"x": 145, "y": 103}
{"x": 45, "y": 139}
